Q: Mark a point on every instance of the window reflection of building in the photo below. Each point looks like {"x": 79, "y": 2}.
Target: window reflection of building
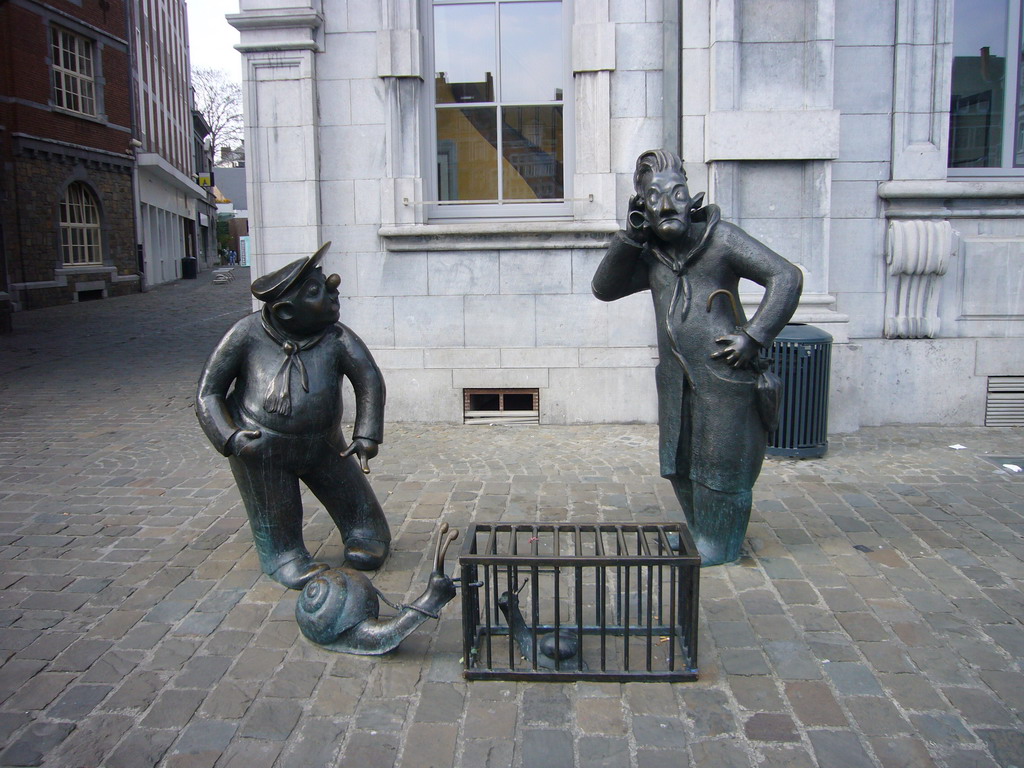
{"x": 985, "y": 118}
{"x": 976, "y": 111}
{"x": 499, "y": 120}
{"x": 468, "y": 146}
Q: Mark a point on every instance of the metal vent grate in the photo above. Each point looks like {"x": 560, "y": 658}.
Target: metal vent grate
{"x": 1004, "y": 406}
{"x": 501, "y": 406}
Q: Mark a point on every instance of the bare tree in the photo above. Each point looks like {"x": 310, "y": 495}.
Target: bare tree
{"x": 219, "y": 100}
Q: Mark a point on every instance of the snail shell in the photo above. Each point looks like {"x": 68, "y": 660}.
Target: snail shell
{"x": 333, "y": 602}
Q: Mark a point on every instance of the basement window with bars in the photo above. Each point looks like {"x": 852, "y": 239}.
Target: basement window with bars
{"x": 501, "y": 406}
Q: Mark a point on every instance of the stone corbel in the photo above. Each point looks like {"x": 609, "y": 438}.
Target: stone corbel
{"x": 917, "y": 257}
{"x": 398, "y": 53}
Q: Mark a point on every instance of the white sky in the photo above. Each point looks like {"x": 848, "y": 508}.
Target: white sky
{"x": 211, "y": 38}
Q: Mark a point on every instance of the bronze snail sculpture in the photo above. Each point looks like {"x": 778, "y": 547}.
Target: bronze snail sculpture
{"x": 338, "y": 609}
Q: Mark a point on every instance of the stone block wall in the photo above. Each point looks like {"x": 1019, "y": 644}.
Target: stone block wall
{"x": 35, "y": 269}
{"x": 820, "y": 126}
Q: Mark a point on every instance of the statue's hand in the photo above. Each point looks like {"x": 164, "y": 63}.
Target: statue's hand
{"x": 240, "y": 442}
{"x": 739, "y": 350}
{"x": 637, "y": 228}
{"x": 365, "y": 449}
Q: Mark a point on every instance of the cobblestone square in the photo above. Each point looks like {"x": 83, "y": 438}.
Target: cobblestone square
{"x": 875, "y": 621}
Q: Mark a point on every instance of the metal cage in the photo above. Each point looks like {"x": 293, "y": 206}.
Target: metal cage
{"x": 601, "y": 602}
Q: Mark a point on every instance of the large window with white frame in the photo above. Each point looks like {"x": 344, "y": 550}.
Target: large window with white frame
{"x": 80, "y": 227}
{"x": 74, "y": 80}
{"x": 986, "y": 121}
{"x": 500, "y": 108}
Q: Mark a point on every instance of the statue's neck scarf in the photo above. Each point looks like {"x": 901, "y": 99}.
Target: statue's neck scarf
{"x": 278, "y": 398}
{"x": 680, "y": 262}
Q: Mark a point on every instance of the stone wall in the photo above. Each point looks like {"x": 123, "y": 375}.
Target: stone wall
{"x": 820, "y": 126}
{"x": 37, "y": 275}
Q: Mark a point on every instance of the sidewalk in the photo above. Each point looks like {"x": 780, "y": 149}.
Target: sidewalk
{"x": 876, "y": 621}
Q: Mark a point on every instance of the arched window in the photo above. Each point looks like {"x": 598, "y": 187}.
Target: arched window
{"x": 80, "y": 226}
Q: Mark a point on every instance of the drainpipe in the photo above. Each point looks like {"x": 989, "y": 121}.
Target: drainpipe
{"x": 136, "y": 144}
{"x": 672, "y": 80}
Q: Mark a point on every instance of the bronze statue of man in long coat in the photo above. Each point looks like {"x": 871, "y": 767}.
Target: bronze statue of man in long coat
{"x": 712, "y": 431}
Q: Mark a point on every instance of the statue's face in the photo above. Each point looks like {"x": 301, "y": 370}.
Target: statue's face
{"x": 667, "y": 205}
{"x": 314, "y": 304}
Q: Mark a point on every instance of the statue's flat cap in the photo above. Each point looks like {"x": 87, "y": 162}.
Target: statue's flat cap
{"x": 273, "y": 286}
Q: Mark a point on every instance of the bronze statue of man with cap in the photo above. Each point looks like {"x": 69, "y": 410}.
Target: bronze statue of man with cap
{"x": 270, "y": 400}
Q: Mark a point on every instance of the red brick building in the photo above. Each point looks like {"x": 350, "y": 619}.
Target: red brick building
{"x": 68, "y": 231}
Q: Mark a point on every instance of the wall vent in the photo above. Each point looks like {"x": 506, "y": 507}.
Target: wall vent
{"x": 501, "y": 406}
{"x": 1004, "y": 406}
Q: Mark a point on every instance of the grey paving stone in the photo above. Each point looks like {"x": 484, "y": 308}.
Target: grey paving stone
{"x": 552, "y": 748}
{"x": 295, "y": 680}
{"x": 853, "y": 679}
{"x": 597, "y": 715}
{"x": 814, "y": 704}
{"x": 877, "y": 716}
{"x": 317, "y": 742}
{"x": 486, "y": 754}
{"x": 271, "y": 719}
{"x": 739, "y": 661}
{"x": 92, "y": 740}
{"x": 945, "y": 729}
{"x": 440, "y": 703}
{"x": 658, "y": 732}
{"x": 376, "y": 749}
{"x": 32, "y": 747}
{"x": 661, "y": 758}
{"x": 719, "y": 753}
{"x": 769, "y": 726}
{"x": 205, "y": 736}
{"x": 708, "y": 712}
{"x": 785, "y": 756}
{"x": 603, "y": 752}
{"x": 757, "y": 693}
{"x": 250, "y": 753}
{"x": 978, "y": 706}
{"x": 898, "y": 752}
{"x": 202, "y": 672}
{"x": 497, "y": 719}
{"x": 732, "y": 634}
{"x": 792, "y": 661}
{"x": 384, "y": 715}
{"x": 173, "y": 708}
{"x": 839, "y": 749}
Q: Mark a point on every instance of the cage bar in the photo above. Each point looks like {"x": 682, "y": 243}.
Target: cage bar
{"x": 602, "y": 602}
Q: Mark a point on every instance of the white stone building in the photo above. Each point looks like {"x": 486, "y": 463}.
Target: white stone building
{"x": 172, "y": 210}
{"x": 469, "y": 158}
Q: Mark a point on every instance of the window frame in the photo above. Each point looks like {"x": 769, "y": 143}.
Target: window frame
{"x": 438, "y": 211}
{"x": 86, "y": 234}
{"x": 84, "y": 51}
{"x": 1013, "y": 104}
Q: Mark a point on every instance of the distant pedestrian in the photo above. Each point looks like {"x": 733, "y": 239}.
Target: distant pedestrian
{"x": 232, "y": 257}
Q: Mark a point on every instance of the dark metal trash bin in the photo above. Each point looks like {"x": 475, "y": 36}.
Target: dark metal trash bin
{"x": 188, "y": 268}
{"x": 801, "y": 356}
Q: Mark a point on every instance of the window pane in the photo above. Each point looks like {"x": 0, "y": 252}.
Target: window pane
{"x": 532, "y": 146}
{"x": 1018, "y": 148}
{"x": 531, "y": 52}
{"x": 979, "y": 71}
{"x": 464, "y": 58}
{"x": 467, "y": 154}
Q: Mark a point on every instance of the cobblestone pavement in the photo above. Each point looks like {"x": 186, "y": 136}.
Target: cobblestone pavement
{"x": 876, "y": 621}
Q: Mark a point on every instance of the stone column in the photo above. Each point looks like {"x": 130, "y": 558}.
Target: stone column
{"x": 279, "y": 40}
